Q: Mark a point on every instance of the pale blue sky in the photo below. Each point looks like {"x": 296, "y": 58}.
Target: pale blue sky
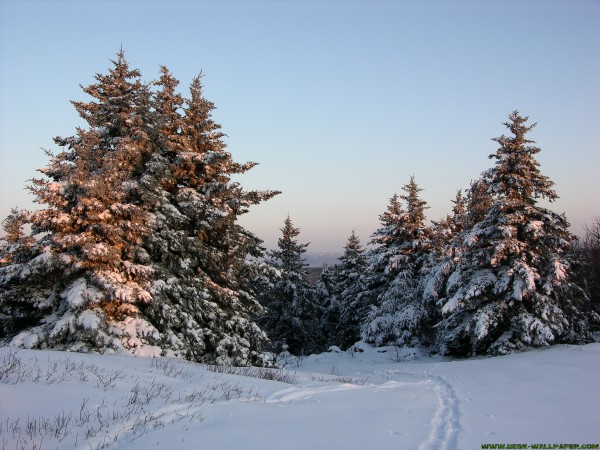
{"x": 339, "y": 101}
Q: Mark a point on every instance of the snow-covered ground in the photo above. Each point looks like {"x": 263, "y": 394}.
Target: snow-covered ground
{"x": 373, "y": 399}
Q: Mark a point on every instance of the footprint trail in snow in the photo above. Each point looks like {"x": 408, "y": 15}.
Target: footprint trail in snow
{"x": 445, "y": 424}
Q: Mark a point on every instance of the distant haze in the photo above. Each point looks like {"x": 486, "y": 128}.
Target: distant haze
{"x": 319, "y": 259}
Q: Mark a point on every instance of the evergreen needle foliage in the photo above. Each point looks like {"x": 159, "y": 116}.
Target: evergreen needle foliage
{"x": 497, "y": 275}
{"x": 511, "y": 285}
{"x": 138, "y": 248}
{"x": 293, "y": 318}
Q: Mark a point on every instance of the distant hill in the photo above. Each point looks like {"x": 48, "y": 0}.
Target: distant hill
{"x": 318, "y": 259}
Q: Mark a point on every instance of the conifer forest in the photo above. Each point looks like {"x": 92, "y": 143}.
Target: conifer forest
{"x": 137, "y": 249}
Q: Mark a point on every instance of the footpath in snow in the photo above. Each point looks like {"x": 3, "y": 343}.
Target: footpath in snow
{"x": 373, "y": 399}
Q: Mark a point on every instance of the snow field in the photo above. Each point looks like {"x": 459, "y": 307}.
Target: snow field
{"x": 345, "y": 400}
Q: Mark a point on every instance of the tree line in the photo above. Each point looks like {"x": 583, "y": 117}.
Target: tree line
{"x": 499, "y": 274}
{"x": 137, "y": 249}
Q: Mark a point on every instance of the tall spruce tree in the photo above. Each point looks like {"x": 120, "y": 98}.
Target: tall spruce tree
{"x": 204, "y": 260}
{"x": 349, "y": 301}
{"x": 325, "y": 298}
{"x": 292, "y": 318}
{"x": 140, "y": 249}
{"x": 401, "y": 317}
{"x": 16, "y": 243}
{"x": 83, "y": 274}
{"x": 588, "y": 255}
{"x": 385, "y": 242}
{"x": 511, "y": 288}
{"x": 445, "y": 254}
{"x": 478, "y": 203}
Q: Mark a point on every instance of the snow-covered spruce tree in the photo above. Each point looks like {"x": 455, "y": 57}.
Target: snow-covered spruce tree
{"x": 292, "y": 318}
{"x": 512, "y": 287}
{"x": 324, "y": 294}
{"x": 445, "y": 254}
{"x": 459, "y": 213}
{"x": 16, "y": 243}
{"x": 16, "y": 248}
{"x": 203, "y": 261}
{"x": 401, "y": 318}
{"x": 140, "y": 252}
{"x": 349, "y": 301}
{"x": 80, "y": 284}
{"x": 448, "y": 242}
{"x": 588, "y": 254}
{"x": 478, "y": 203}
{"x": 443, "y": 232}
{"x": 385, "y": 242}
